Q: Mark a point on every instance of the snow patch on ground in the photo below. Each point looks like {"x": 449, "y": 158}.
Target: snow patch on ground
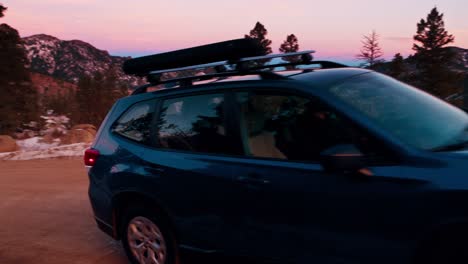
{"x": 35, "y": 143}
{"x": 46, "y": 153}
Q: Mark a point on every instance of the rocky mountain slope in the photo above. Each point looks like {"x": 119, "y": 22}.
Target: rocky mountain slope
{"x": 69, "y": 60}
{"x": 461, "y": 62}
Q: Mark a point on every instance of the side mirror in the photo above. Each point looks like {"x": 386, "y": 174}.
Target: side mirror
{"x": 344, "y": 158}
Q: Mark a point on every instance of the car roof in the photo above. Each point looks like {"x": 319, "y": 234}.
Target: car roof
{"x": 328, "y": 77}
{"x": 318, "y": 76}
{"x": 313, "y": 78}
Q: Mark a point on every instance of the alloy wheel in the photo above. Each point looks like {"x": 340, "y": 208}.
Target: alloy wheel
{"x": 146, "y": 241}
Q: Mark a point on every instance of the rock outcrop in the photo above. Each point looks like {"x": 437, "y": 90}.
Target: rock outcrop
{"x": 7, "y": 144}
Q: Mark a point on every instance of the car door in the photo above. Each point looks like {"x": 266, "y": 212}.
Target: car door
{"x": 190, "y": 170}
{"x": 294, "y": 209}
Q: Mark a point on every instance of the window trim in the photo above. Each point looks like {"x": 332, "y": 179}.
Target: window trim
{"x": 233, "y": 123}
{"x": 154, "y": 123}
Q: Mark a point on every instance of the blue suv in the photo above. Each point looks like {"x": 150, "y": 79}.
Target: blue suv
{"x": 310, "y": 164}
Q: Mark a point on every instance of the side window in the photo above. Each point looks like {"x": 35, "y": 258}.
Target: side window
{"x": 289, "y": 127}
{"x": 135, "y": 124}
{"x": 194, "y": 123}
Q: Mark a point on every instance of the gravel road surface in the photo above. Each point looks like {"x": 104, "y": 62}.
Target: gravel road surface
{"x": 45, "y": 217}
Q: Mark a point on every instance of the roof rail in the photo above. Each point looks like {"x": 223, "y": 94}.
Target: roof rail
{"x": 187, "y": 81}
{"x": 223, "y": 59}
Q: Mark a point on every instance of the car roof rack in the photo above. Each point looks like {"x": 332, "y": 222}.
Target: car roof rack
{"x": 221, "y": 60}
{"x": 231, "y": 50}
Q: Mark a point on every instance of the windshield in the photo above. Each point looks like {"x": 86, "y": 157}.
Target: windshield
{"x": 415, "y": 117}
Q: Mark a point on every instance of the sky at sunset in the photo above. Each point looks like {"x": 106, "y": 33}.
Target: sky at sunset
{"x": 333, "y": 28}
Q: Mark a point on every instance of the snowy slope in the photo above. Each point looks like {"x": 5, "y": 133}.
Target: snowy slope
{"x": 33, "y": 149}
{"x": 70, "y": 60}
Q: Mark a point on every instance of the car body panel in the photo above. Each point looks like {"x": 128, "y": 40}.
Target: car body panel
{"x": 282, "y": 209}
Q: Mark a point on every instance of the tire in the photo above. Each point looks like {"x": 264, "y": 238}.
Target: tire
{"x": 147, "y": 238}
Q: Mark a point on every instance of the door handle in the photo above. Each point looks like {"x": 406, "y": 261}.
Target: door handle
{"x": 252, "y": 179}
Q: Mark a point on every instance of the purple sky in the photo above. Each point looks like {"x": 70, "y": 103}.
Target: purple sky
{"x": 333, "y": 28}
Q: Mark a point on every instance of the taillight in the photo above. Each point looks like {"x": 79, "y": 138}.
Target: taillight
{"x": 90, "y": 157}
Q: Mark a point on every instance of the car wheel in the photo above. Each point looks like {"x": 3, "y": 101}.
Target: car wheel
{"x": 147, "y": 239}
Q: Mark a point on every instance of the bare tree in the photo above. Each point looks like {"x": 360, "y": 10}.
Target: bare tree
{"x": 371, "y": 53}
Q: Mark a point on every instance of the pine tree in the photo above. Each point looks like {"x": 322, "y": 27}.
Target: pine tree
{"x": 432, "y": 59}
{"x": 291, "y": 44}
{"x": 18, "y": 100}
{"x": 2, "y": 10}
{"x": 114, "y": 87}
{"x": 397, "y": 67}
{"x": 85, "y": 99}
{"x": 371, "y": 53}
{"x": 259, "y": 32}
{"x": 431, "y": 34}
{"x": 61, "y": 104}
{"x": 96, "y": 95}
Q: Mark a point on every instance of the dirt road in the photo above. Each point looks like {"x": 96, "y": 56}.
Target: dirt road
{"x": 45, "y": 216}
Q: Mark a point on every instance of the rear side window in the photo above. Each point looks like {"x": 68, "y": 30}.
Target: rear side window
{"x": 135, "y": 124}
{"x": 194, "y": 123}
